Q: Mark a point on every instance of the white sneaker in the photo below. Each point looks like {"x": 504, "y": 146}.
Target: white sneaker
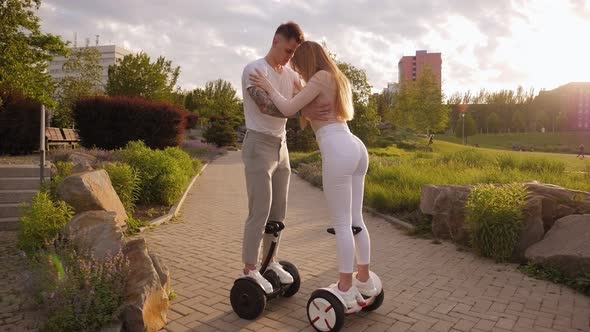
{"x": 254, "y": 274}
{"x": 351, "y": 297}
{"x": 284, "y": 276}
{"x": 366, "y": 288}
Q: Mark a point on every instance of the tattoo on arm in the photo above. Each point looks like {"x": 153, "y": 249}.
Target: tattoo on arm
{"x": 264, "y": 102}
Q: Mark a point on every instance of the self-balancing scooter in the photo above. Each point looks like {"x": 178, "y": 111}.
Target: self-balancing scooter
{"x": 247, "y": 297}
{"x": 326, "y": 309}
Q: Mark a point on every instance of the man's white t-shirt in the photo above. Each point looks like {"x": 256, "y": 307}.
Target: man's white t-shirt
{"x": 284, "y": 82}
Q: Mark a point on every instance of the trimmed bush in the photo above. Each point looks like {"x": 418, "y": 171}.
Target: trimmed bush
{"x": 164, "y": 173}
{"x": 111, "y": 122}
{"x": 300, "y": 139}
{"x": 494, "y": 218}
{"x": 42, "y": 221}
{"x": 221, "y": 131}
{"x": 19, "y": 123}
{"x": 126, "y": 182}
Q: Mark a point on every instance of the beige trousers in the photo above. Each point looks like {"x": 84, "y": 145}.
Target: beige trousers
{"x": 266, "y": 161}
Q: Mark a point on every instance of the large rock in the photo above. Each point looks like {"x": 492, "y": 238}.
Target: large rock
{"x": 428, "y": 195}
{"x": 566, "y": 246}
{"x": 95, "y": 233}
{"x": 532, "y": 228}
{"x": 545, "y": 204}
{"x": 83, "y": 158}
{"x": 146, "y": 298}
{"x": 448, "y": 212}
{"x": 567, "y": 201}
{"x": 92, "y": 191}
{"x": 162, "y": 271}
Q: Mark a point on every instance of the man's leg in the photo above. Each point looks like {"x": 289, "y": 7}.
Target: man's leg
{"x": 280, "y": 191}
{"x": 258, "y": 171}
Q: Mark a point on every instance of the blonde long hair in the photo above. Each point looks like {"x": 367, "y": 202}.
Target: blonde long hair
{"x": 309, "y": 58}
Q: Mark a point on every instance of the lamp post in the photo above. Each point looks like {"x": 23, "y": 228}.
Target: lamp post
{"x": 463, "y": 120}
{"x": 42, "y": 145}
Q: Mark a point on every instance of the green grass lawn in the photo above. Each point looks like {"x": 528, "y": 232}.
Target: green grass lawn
{"x": 396, "y": 176}
{"x": 571, "y": 162}
{"x": 565, "y": 142}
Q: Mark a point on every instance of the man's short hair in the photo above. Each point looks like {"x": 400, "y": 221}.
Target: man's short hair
{"x": 291, "y": 30}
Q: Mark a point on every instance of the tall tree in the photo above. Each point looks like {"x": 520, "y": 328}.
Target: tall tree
{"x": 82, "y": 77}
{"x": 470, "y": 126}
{"x": 135, "y": 75}
{"x": 26, "y": 51}
{"x": 419, "y": 104}
{"x": 493, "y": 123}
{"x": 366, "y": 117}
{"x": 366, "y": 120}
{"x": 361, "y": 89}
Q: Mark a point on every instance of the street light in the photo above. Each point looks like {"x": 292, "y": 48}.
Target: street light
{"x": 463, "y": 120}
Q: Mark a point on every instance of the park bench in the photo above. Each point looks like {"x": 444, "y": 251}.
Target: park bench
{"x": 61, "y": 137}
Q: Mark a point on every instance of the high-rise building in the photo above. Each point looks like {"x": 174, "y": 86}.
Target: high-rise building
{"x": 574, "y": 101}
{"x": 410, "y": 67}
{"x": 109, "y": 54}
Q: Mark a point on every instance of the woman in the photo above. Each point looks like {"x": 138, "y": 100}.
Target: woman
{"x": 344, "y": 161}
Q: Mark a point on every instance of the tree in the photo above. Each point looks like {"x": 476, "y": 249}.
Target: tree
{"x": 361, "y": 89}
{"x": 223, "y": 97}
{"x": 365, "y": 121}
{"x": 419, "y": 105}
{"x": 217, "y": 98}
{"x": 518, "y": 121}
{"x": 470, "y": 127}
{"x": 135, "y": 75}
{"x": 493, "y": 123}
{"x": 366, "y": 117}
{"x": 82, "y": 72}
{"x": 430, "y": 112}
{"x": 26, "y": 51}
{"x": 221, "y": 130}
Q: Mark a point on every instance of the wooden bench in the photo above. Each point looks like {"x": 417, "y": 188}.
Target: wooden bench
{"x": 63, "y": 137}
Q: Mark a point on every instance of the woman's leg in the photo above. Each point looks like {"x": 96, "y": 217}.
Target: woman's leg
{"x": 338, "y": 189}
{"x": 362, "y": 239}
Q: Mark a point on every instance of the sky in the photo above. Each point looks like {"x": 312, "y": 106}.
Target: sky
{"x": 488, "y": 44}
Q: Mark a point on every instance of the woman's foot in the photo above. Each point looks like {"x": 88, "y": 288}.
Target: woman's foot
{"x": 367, "y": 287}
{"x": 351, "y": 296}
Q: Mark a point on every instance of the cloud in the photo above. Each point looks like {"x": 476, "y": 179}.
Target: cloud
{"x": 215, "y": 39}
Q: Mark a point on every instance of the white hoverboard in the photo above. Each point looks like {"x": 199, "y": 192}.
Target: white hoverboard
{"x": 248, "y": 298}
{"x": 326, "y": 309}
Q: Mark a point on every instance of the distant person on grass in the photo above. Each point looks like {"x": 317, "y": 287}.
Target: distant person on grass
{"x": 581, "y": 154}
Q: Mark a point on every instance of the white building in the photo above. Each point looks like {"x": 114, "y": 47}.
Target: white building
{"x": 391, "y": 88}
{"x": 109, "y": 54}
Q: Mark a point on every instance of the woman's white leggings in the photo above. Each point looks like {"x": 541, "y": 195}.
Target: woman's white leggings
{"x": 344, "y": 165}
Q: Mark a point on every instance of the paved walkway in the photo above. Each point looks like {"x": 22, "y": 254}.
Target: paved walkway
{"x": 428, "y": 287}
{"x": 17, "y": 307}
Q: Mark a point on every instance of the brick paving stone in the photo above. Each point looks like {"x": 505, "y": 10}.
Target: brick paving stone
{"x": 428, "y": 286}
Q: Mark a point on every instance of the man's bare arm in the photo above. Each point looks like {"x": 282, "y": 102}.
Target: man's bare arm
{"x": 264, "y": 102}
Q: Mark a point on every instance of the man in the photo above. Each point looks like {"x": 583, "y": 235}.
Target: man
{"x": 264, "y": 150}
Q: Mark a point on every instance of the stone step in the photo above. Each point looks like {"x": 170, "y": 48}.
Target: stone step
{"x": 9, "y": 224}
{"x": 11, "y": 210}
{"x": 19, "y": 183}
{"x": 22, "y": 171}
{"x": 16, "y": 196}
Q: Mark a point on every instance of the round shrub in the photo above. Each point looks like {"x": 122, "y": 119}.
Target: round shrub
{"x": 494, "y": 218}
{"x": 126, "y": 182}
{"x": 42, "y": 221}
{"x": 164, "y": 173}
